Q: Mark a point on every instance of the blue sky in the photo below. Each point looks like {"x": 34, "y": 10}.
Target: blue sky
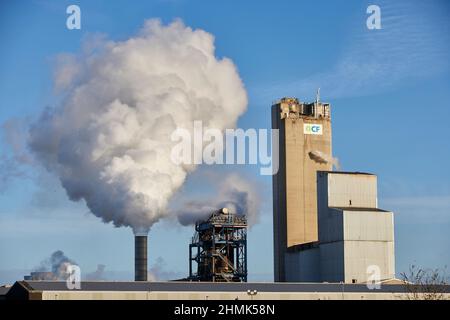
{"x": 389, "y": 91}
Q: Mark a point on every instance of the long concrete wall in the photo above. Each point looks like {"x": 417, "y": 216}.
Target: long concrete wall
{"x": 170, "y": 295}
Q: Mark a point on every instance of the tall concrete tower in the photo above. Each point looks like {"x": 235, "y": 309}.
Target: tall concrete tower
{"x": 304, "y": 149}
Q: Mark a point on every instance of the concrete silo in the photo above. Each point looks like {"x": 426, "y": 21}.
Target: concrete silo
{"x": 304, "y": 149}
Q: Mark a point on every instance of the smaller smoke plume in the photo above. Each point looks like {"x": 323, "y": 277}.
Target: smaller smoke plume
{"x": 97, "y": 275}
{"x": 158, "y": 272}
{"x": 195, "y": 210}
{"x": 320, "y": 157}
{"x": 57, "y": 264}
{"x": 235, "y": 193}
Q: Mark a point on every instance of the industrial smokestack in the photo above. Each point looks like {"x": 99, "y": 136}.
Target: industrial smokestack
{"x": 140, "y": 258}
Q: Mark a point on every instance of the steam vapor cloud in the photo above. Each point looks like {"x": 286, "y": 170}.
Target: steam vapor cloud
{"x": 237, "y": 194}
{"x": 98, "y": 274}
{"x": 57, "y": 264}
{"x": 320, "y": 157}
{"x": 158, "y": 272}
{"x": 109, "y": 142}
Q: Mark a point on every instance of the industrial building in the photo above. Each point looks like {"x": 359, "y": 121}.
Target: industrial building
{"x": 329, "y": 234}
{"x": 304, "y": 131}
{"x": 219, "y": 248}
{"x": 41, "y": 275}
{"x": 327, "y": 224}
{"x": 102, "y": 290}
{"x": 355, "y": 237}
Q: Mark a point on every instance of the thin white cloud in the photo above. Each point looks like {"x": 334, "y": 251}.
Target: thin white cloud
{"x": 413, "y": 44}
{"x": 431, "y": 202}
{"x": 419, "y": 209}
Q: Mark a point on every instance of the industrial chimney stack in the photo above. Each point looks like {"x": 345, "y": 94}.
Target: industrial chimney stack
{"x": 140, "y": 258}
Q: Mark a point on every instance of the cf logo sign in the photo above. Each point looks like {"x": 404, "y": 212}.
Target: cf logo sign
{"x": 310, "y": 128}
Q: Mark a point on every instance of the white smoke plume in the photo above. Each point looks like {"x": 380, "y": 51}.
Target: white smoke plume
{"x": 109, "y": 140}
{"x": 57, "y": 264}
{"x": 237, "y": 194}
{"x": 97, "y": 275}
{"x": 320, "y": 157}
{"x": 158, "y": 272}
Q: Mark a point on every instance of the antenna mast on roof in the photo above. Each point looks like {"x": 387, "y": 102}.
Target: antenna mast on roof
{"x": 318, "y": 96}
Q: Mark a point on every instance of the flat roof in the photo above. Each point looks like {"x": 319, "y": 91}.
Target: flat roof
{"x": 359, "y": 209}
{"x": 348, "y": 172}
{"x": 211, "y": 287}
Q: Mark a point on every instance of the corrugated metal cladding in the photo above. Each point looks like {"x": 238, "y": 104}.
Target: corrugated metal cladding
{"x": 356, "y": 238}
{"x": 352, "y": 190}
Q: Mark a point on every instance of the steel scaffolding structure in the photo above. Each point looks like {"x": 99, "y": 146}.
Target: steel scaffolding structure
{"x": 219, "y": 247}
